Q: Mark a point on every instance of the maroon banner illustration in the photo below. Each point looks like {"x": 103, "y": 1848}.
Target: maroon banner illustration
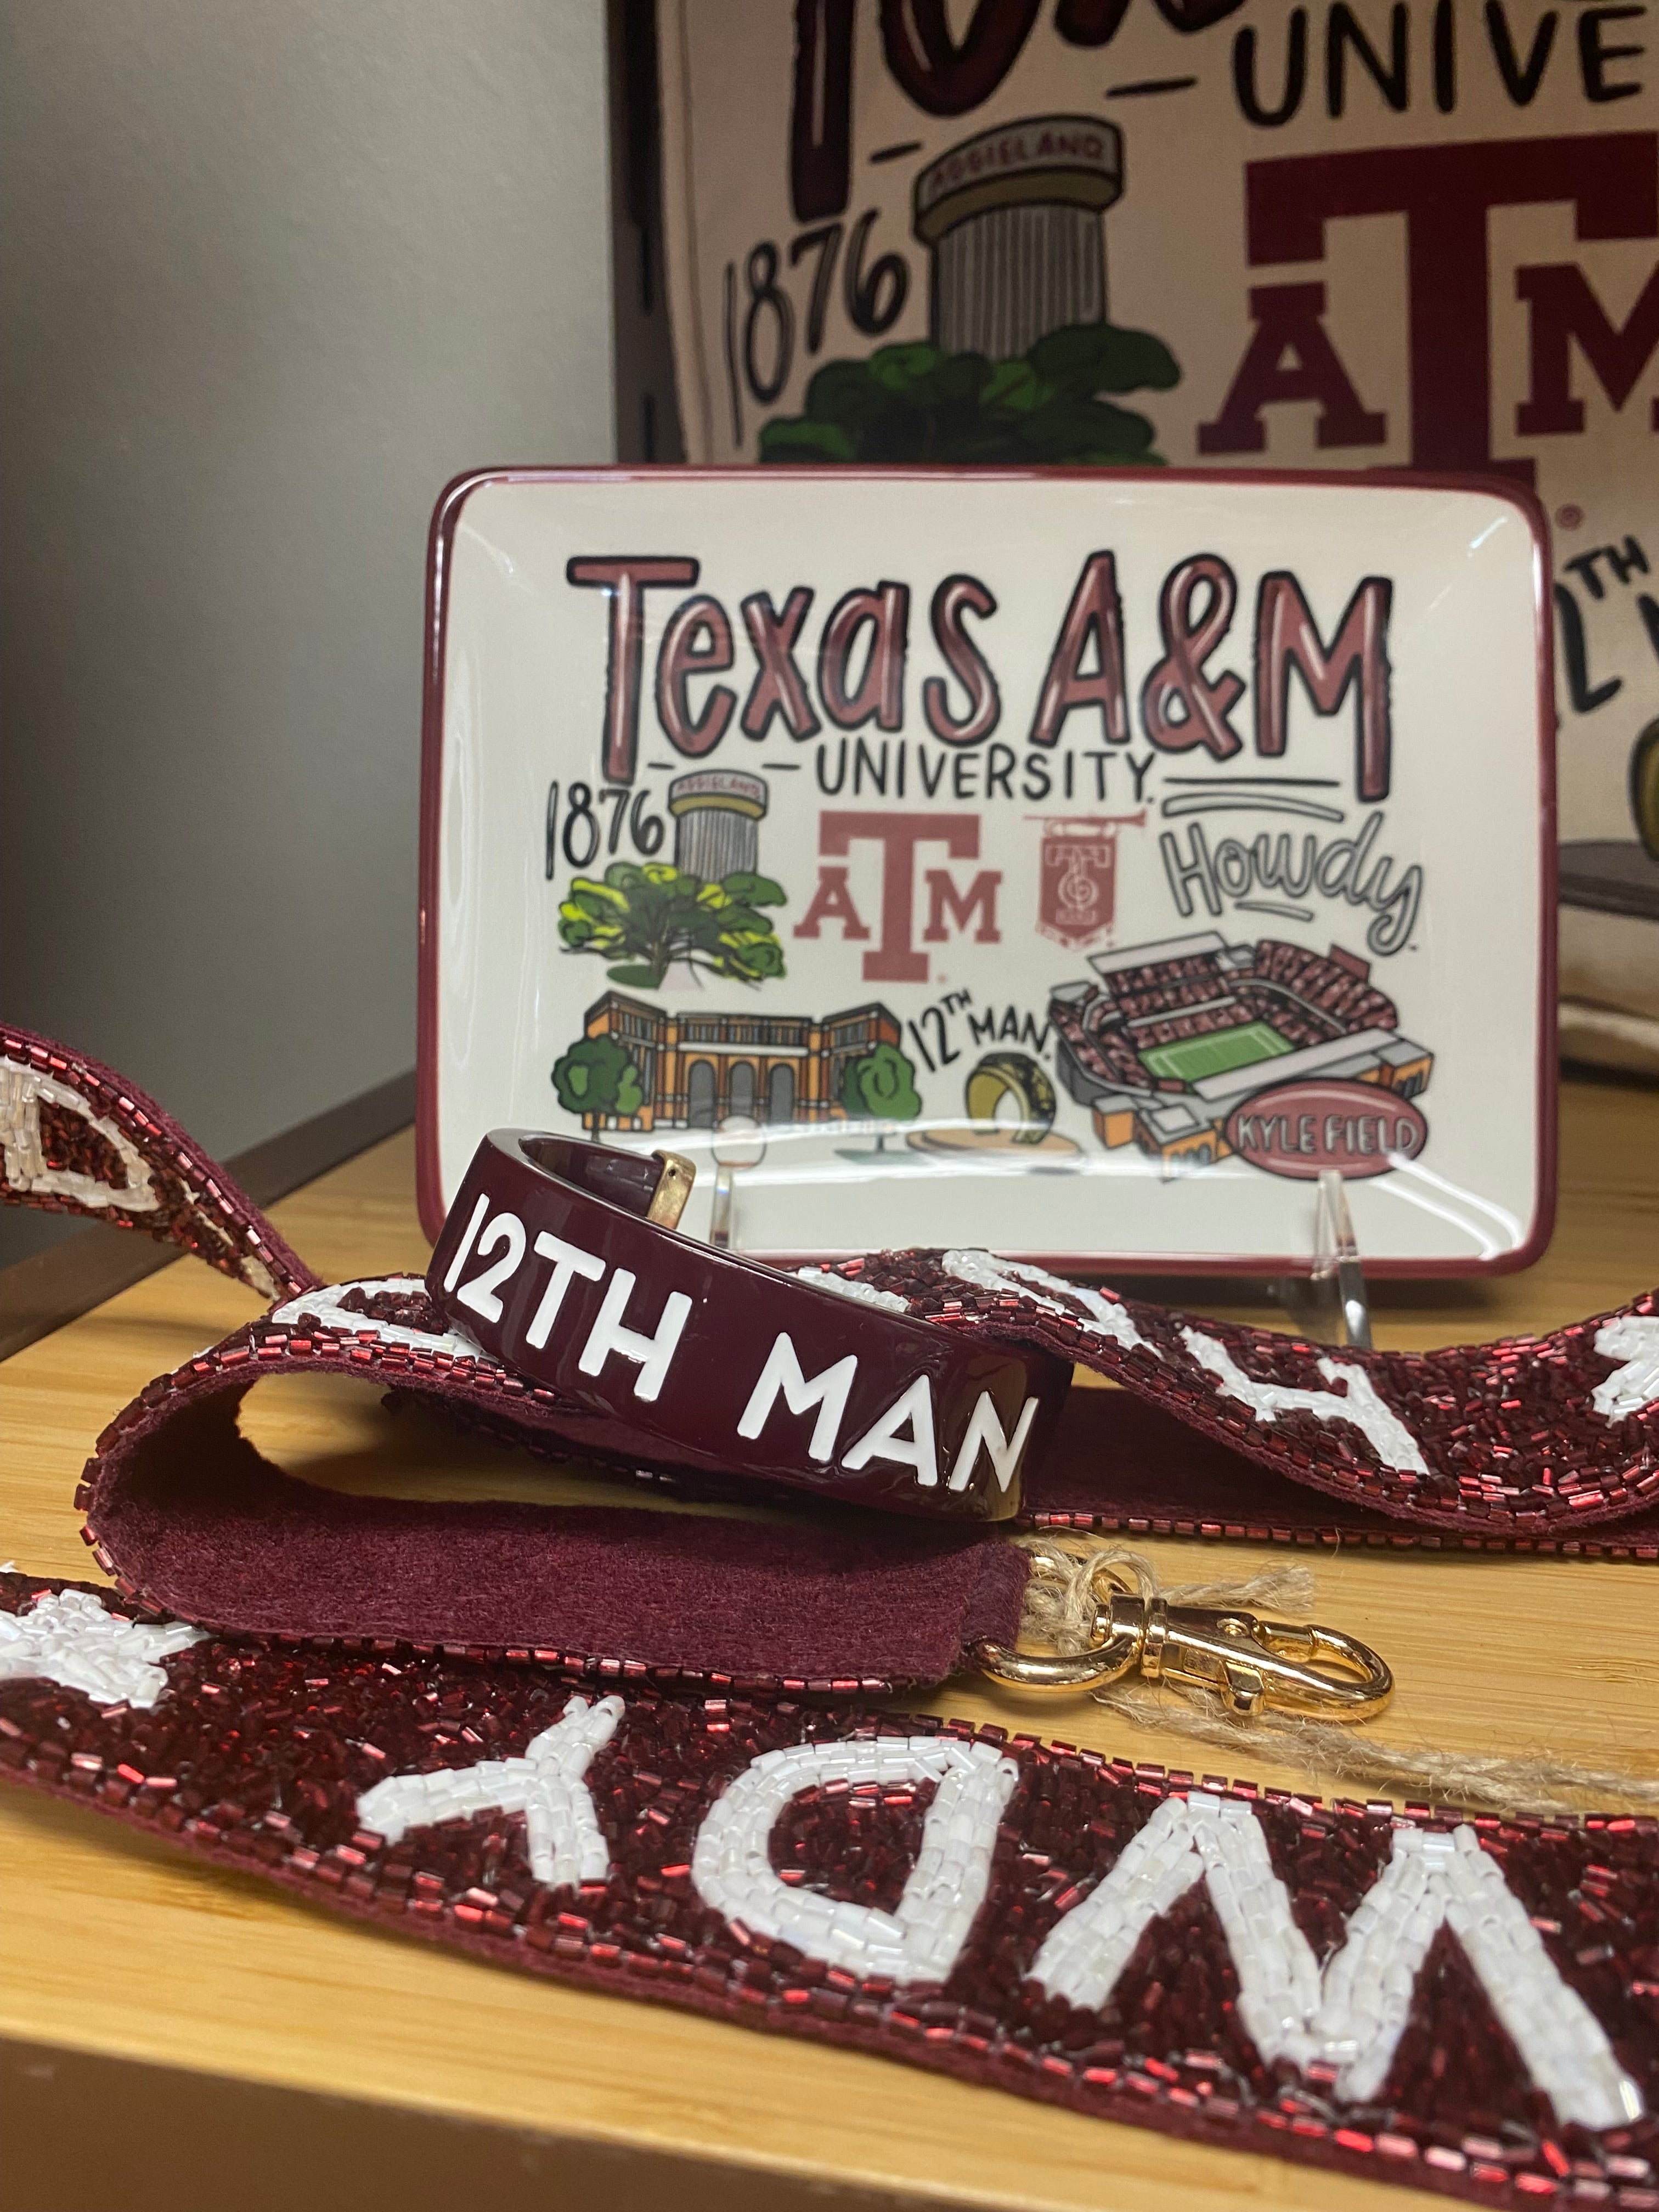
{"x": 1079, "y": 897}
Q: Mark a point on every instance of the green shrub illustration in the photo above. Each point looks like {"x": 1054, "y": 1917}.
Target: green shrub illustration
{"x": 596, "y": 1078}
{"x": 647, "y": 918}
{"x": 916, "y": 403}
{"x": 881, "y": 1087}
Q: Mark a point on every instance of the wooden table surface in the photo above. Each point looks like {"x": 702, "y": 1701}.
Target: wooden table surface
{"x": 112, "y": 1944}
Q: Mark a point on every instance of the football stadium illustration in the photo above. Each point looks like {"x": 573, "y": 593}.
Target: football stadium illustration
{"x": 1168, "y": 1038}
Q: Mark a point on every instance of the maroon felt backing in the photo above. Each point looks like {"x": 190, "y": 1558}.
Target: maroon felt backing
{"x": 190, "y": 1516}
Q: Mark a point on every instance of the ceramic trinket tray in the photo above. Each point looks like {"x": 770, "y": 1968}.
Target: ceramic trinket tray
{"x": 1077, "y": 862}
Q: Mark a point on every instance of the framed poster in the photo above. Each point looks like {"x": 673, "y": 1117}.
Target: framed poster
{"x": 1231, "y": 234}
{"x": 1069, "y": 863}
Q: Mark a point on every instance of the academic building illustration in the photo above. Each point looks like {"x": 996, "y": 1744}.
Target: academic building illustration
{"x": 694, "y": 1068}
{"x": 1169, "y": 1038}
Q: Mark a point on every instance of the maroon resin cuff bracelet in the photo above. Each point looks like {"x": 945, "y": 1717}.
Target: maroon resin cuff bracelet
{"x": 560, "y": 1260}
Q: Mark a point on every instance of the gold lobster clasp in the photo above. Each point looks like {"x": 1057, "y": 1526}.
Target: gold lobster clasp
{"x": 1246, "y": 1661}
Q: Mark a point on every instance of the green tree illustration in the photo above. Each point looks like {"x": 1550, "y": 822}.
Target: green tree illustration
{"x": 647, "y": 918}
{"x": 881, "y": 1087}
{"x": 917, "y": 403}
{"x": 596, "y": 1078}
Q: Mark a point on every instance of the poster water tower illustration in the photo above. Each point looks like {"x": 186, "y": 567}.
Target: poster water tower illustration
{"x": 1012, "y": 220}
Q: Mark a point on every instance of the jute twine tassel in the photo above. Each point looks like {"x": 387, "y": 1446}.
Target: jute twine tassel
{"x": 1059, "y": 1612}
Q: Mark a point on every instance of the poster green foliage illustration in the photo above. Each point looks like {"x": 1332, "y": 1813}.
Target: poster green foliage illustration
{"x": 918, "y": 402}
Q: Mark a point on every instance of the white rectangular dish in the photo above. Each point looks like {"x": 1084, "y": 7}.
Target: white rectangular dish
{"x": 1070, "y": 862}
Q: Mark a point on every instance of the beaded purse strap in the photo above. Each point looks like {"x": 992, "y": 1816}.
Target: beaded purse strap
{"x": 1461, "y": 2004}
{"x": 1532, "y": 1444}
{"x": 1458, "y": 2004}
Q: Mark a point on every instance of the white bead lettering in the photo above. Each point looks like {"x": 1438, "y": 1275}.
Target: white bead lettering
{"x": 1631, "y": 1389}
{"x": 922, "y": 1938}
{"x": 545, "y": 1784}
{"x": 1101, "y": 1315}
{"x": 1382, "y": 1427}
{"x": 326, "y": 1305}
{"x": 23, "y": 1092}
{"x": 70, "y": 1637}
{"x": 1350, "y": 2017}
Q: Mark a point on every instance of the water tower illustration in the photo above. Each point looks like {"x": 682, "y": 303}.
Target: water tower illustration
{"x": 717, "y": 814}
{"x": 1014, "y": 219}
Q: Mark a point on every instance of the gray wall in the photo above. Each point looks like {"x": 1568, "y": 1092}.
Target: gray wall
{"x": 270, "y": 272}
